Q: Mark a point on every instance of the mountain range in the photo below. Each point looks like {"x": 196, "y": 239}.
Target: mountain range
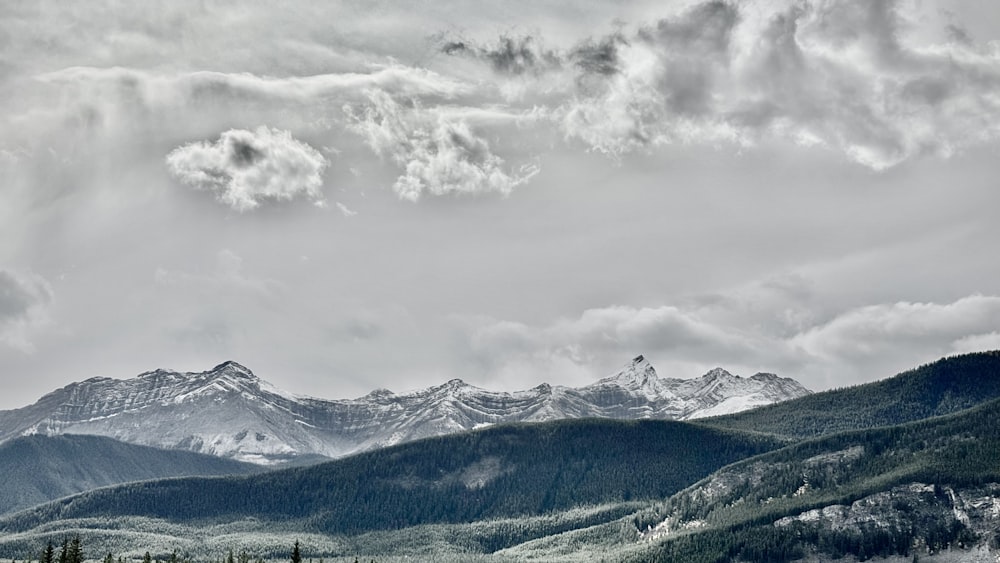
{"x": 230, "y": 412}
{"x": 904, "y": 468}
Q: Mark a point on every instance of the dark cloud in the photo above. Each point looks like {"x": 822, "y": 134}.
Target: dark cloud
{"x": 958, "y": 34}
{"x": 509, "y": 55}
{"x": 19, "y": 294}
{"x": 691, "y": 49}
{"x": 24, "y": 303}
{"x": 702, "y": 32}
{"x": 598, "y": 56}
{"x": 930, "y": 90}
{"x": 244, "y": 154}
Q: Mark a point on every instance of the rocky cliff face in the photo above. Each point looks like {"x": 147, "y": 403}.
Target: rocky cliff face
{"x": 230, "y": 412}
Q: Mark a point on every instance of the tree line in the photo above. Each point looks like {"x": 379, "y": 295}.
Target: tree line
{"x": 71, "y": 551}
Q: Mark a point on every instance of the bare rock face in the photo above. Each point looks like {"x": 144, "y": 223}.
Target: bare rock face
{"x": 230, "y": 412}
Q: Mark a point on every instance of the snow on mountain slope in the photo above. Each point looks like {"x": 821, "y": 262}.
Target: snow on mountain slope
{"x": 230, "y": 412}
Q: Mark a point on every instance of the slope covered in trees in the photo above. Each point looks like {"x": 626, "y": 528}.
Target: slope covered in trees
{"x": 895, "y": 490}
{"x": 945, "y": 386}
{"x": 501, "y": 471}
{"x": 37, "y": 469}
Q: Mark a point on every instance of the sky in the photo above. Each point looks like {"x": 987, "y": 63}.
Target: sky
{"x": 345, "y": 196}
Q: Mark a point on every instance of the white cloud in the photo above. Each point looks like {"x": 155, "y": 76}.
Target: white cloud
{"x": 439, "y": 155}
{"x": 25, "y": 299}
{"x": 245, "y": 168}
{"x": 661, "y": 86}
{"x": 903, "y": 328}
{"x": 610, "y": 334}
{"x": 161, "y": 88}
{"x": 856, "y": 345}
{"x": 836, "y": 74}
{"x": 977, "y": 343}
{"x": 345, "y": 211}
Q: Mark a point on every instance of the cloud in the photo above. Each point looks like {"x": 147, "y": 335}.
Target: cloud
{"x": 899, "y": 328}
{"x": 245, "y": 168}
{"x": 440, "y": 155}
{"x": 853, "y": 346}
{"x": 25, "y": 299}
{"x": 658, "y": 87}
{"x": 598, "y": 57}
{"x": 977, "y": 343}
{"x": 509, "y": 55}
{"x": 157, "y": 88}
{"x": 613, "y": 333}
{"x": 838, "y": 74}
{"x": 345, "y": 211}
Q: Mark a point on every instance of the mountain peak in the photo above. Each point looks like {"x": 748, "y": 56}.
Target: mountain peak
{"x": 451, "y": 386}
{"x": 719, "y": 373}
{"x": 230, "y": 367}
{"x": 637, "y": 373}
{"x": 380, "y": 392}
{"x": 156, "y": 372}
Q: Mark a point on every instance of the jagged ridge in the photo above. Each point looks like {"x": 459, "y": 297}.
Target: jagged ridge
{"x": 228, "y": 411}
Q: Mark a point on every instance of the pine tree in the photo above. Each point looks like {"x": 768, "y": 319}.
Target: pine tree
{"x": 296, "y": 556}
{"x": 147, "y": 558}
{"x": 49, "y": 555}
{"x": 109, "y": 558}
{"x": 229, "y": 558}
{"x": 75, "y": 554}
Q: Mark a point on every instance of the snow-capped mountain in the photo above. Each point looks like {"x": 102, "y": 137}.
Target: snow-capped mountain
{"x": 230, "y": 412}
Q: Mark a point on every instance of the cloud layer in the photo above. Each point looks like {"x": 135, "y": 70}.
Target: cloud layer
{"x": 856, "y": 345}
{"x": 839, "y": 74}
{"x": 245, "y": 168}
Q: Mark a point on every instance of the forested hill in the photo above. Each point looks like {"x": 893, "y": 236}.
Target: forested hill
{"x": 927, "y": 485}
{"x": 510, "y": 470}
{"x": 38, "y": 469}
{"x": 945, "y": 386}
{"x": 915, "y": 489}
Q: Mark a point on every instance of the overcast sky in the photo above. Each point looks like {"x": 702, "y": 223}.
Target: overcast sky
{"x": 351, "y": 195}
